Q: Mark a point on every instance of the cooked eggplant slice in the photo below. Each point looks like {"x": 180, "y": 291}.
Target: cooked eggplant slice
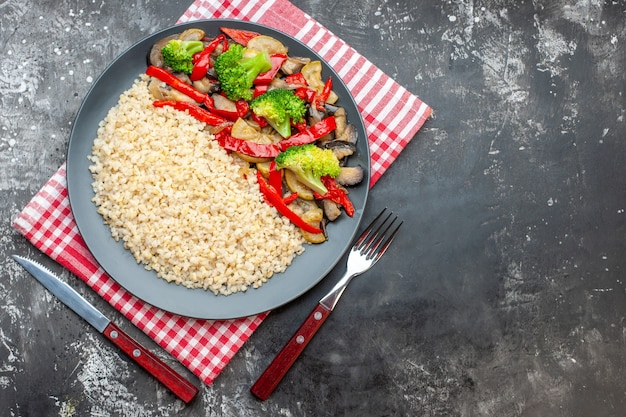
{"x": 340, "y": 148}
{"x": 349, "y": 135}
{"x": 332, "y": 210}
{"x": 350, "y": 175}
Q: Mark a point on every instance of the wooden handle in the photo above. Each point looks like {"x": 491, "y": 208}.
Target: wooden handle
{"x": 275, "y": 372}
{"x": 180, "y": 386}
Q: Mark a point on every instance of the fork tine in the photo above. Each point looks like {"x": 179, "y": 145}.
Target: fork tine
{"x": 387, "y": 242}
{"x": 376, "y": 237}
{"x": 368, "y": 230}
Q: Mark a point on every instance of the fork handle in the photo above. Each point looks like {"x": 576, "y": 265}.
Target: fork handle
{"x": 276, "y": 370}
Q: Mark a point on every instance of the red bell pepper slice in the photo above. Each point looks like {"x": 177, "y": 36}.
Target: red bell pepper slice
{"x": 274, "y": 199}
{"x": 299, "y": 126}
{"x": 297, "y": 79}
{"x": 202, "y": 60}
{"x": 261, "y": 121}
{"x": 335, "y": 194}
{"x": 306, "y": 94}
{"x": 171, "y": 80}
{"x": 194, "y": 110}
{"x": 276, "y": 182}
{"x": 276, "y": 179}
{"x": 290, "y": 198}
{"x": 259, "y": 90}
{"x": 240, "y": 36}
{"x": 241, "y": 105}
{"x": 267, "y": 76}
{"x": 321, "y": 98}
{"x": 246, "y": 147}
{"x": 311, "y": 134}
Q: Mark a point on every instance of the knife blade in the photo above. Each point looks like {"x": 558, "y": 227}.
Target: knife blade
{"x": 180, "y": 386}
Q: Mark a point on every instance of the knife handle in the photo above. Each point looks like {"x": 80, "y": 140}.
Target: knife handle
{"x": 276, "y": 370}
{"x": 180, "y": 386}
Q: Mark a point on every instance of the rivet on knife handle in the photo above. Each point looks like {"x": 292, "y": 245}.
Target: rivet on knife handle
{"x": 183, "y": 389}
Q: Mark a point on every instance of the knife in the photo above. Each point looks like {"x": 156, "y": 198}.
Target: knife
{"x": 180, "y": 386}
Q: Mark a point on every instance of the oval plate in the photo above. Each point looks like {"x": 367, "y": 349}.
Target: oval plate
{"x": 306, "y": 269}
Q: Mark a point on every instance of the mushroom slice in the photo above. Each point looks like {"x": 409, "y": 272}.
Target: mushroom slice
{"x": 156, "y": 57}
{"x": 340, "y": 148}
{"x": 223, "y": 103}
{"x": 206, "y": 85}
{"x": 162, "y": 91}
{"x": 268, "y": 44}
{"x": 279, "y": 83}
{"x": 350, "y": 175}
{"x": 294, "y": 64}
{"x": 193, "y": 34}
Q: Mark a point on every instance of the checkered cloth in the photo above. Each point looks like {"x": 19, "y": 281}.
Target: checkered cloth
{"x": 392, "y": 117}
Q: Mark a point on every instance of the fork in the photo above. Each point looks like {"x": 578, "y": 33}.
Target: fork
{"x": 365, "y": 252}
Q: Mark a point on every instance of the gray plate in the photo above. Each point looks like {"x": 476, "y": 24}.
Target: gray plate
{"x": 306, "y": 270}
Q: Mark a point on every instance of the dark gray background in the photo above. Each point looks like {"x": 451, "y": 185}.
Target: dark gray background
{"x": 503, "y": 295}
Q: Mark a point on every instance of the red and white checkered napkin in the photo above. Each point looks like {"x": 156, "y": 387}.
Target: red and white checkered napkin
{"x": 392, "y": 116}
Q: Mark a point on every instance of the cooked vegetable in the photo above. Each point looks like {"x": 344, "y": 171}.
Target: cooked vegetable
{"x": 203, "y": 60}
{"x": 239, "y": 35}
{"x": 193, "y": 110}
{"x": 336, "y": 194}
{"x": 267, "y": 43}
{"x": 296, "y": 186}
{"x": 322, "y": 97}
{"x": 310, "y": 163}
{"x": 309, "y": 135}
{"x": 314, "y": 217}
{"x": 280, "y": 108}
{"x": 246, "y": 147}
{"x": 350, "y": 175}
{"x": 268, "y": 76}
{"x": 232, "y": 110}
{"x": 178, "y": 55}
{"x": 273, "y": 198}
{"x": 313, "y": 74}
{"x": 171, "y": 80}
{"x": 236, "y": 72}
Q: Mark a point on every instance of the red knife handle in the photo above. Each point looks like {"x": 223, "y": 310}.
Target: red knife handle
{"x": 180, "y": 386}
{"x": 276, "y": 370}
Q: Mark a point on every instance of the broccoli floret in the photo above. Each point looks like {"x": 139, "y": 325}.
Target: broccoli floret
{"x": 178, "y": 54}
{"x": 236, "y": 73}
{"x": 279, "y": 107}
{"x": 310, "y": 163}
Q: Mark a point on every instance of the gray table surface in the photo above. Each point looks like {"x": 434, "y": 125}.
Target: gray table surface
{"x": 503, "y": 296}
